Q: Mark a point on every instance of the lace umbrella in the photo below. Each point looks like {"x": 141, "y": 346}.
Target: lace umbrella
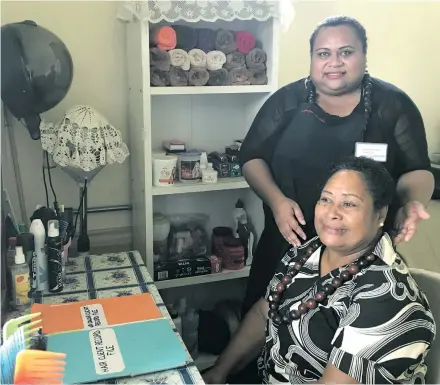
{"x": 82, "y": 144}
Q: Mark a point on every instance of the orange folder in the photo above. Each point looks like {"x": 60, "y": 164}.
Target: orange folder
{"x": 95, "y": 313}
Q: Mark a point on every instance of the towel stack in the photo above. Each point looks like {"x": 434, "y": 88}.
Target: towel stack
{"x": 181, "y": 56}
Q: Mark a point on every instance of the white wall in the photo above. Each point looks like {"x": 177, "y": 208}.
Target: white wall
{"x": 96, "y": 41}
{"x": 403, "y": 37}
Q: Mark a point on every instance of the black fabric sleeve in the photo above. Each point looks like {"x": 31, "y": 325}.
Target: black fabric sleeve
{"x": 410, "y": 136}
{"x": 269, "y": 121}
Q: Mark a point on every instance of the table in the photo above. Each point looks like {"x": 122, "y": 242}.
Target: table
{"x": 115, "y": 275}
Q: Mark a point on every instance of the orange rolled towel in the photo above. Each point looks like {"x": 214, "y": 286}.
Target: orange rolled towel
{"x": 164, "y": 38}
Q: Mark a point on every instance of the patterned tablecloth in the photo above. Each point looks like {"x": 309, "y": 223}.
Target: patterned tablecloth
{"x": 114, "y": 275}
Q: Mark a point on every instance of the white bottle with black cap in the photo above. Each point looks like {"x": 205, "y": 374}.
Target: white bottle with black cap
{"x": 54, "y": 259}
{"x": 37, "y": 228}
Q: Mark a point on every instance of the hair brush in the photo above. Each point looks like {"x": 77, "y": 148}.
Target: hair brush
{"x": 39, "y": 367}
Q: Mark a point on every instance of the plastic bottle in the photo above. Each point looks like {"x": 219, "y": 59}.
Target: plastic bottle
{"x": 181, "y": 307}
{"x": 176, "y": 320}
{"x": 55, "y": 262}
{"x": 20, "y": 279}
{"x": 209, "y": 175}
{"x": 239, "y": 216}
{"x": 190, "y": 327}
{"x": 37, "y": 228}
{"x": 26, "y": 241}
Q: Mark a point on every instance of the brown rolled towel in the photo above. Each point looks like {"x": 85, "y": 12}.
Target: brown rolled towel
{"x": 159, "y": 78}
{"x": 258, "y": 77}
{"x": 160, "y": 59}
{"x": 186, "y": 37}
{"x": 256, "y": 59}
{"x": 178, "y": 77}
{"x": 219, "y": 77}
{"x": 235, "y": 60}
{"x": 198, "y": 77}
{"x": 225, "y": 41}
{"x": 239, "y": 77}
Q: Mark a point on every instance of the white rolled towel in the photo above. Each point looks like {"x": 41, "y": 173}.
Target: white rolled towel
{"x": 179, "y": 58}
{"x": 197, "y": 58}
{"x": 215, "y": 60}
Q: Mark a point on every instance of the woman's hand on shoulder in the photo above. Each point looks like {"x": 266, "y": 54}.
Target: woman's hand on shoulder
{"x": 288, "y": 216}
{"x": 214, "y": 376}
{"x": 407, "y": 219}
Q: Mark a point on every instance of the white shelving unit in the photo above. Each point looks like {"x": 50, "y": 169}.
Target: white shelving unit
{"x": 223, "y": 276}
{"x": 206, "y": 118}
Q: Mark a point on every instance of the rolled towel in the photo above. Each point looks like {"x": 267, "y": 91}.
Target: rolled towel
{"x": 178, "y": 77}
{"x": 198, "y": 77}
{"x": 206, "y": 39}
{"x": 258, "y": 77}
{"x": 256, "y": 59}
{"x": 186, "y": 37}
{"x": 159, "y": 78}
{"x": 179, "y": 58}
{"x": 225, "y": 41}
{"x": 244, "y": 41}
{"x": 239, "y": 77}
{"x": 160, "y": 59}
{"x": 215, "y": 60}
{"x": 235, "y": 60}
{"x": 219, "y": 77}
{"x": 197, "y": 58}
{"x": 163, "y": 38}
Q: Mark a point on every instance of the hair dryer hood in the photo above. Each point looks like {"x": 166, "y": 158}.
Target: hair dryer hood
{"x": 37, "y": 72}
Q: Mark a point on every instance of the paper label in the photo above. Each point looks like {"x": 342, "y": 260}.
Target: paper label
{"x": 22, "y": 288}
{"x": 106, "y": 353}
{"x": 375, "y": 151}
{"x": 93, "y": 316}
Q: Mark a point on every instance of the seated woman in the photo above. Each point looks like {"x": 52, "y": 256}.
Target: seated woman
{"x": 342, "y": 308}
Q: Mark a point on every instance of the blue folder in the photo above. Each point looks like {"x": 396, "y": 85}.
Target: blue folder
{"x": 118, "y": 351}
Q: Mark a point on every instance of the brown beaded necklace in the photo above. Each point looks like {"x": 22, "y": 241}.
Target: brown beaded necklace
{"x": 312, "y": 303}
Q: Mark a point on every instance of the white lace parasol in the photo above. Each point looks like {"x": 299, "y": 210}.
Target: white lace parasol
{"x": 84, "y": 140}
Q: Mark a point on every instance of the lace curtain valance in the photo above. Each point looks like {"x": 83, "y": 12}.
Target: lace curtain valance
{"x": 207, "y": 10}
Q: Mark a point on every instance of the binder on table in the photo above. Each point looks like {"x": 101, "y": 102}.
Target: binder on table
{"x": 118, "y": 351}
{"x": 95, "y": 313}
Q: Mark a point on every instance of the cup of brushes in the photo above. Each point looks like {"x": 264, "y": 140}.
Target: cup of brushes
{"x": 22, "y": 355}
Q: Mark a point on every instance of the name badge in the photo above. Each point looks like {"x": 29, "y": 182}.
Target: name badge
{"x": 375, "y": 151}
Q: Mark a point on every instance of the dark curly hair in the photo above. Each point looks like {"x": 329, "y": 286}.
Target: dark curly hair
{"x": 378, "y": 180}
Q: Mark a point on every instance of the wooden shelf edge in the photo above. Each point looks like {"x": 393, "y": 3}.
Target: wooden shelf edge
{"x": 182, "y": 188}
{"x": 207, "y": 90}
{"x": 223, "y": 276}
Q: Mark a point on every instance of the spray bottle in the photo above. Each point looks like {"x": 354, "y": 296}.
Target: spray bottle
{"x": 20, "y": 279}
{"x": 55, "y": 262}
{"x": 26, "y": 241}
{"x": 37, "y": 229}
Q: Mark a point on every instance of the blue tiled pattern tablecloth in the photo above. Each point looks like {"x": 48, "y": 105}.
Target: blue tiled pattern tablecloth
{"x": 113, "y": 275}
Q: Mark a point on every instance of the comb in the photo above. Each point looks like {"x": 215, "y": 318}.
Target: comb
{"x": 39, "y": 367}
{"x": 29, "y": 328}
{"x": 8, "y": 353}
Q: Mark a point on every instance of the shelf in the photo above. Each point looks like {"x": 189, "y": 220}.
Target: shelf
{"x": 183, "y": 188}
{"x": 205, "y": 361}
{"x": 211, "y": 90}
{"x": 223, "y": 276}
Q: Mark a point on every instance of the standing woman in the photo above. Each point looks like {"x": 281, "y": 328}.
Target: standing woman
{"x": 339, "y": 110}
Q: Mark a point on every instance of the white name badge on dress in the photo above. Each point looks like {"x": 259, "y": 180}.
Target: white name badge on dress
{"x": 375, "y": 151}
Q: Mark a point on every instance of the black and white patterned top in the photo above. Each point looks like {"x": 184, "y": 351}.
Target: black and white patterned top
{"x": 376, "y": 328}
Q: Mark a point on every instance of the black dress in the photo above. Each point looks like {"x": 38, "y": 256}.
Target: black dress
{"x": 299, "y": 141}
